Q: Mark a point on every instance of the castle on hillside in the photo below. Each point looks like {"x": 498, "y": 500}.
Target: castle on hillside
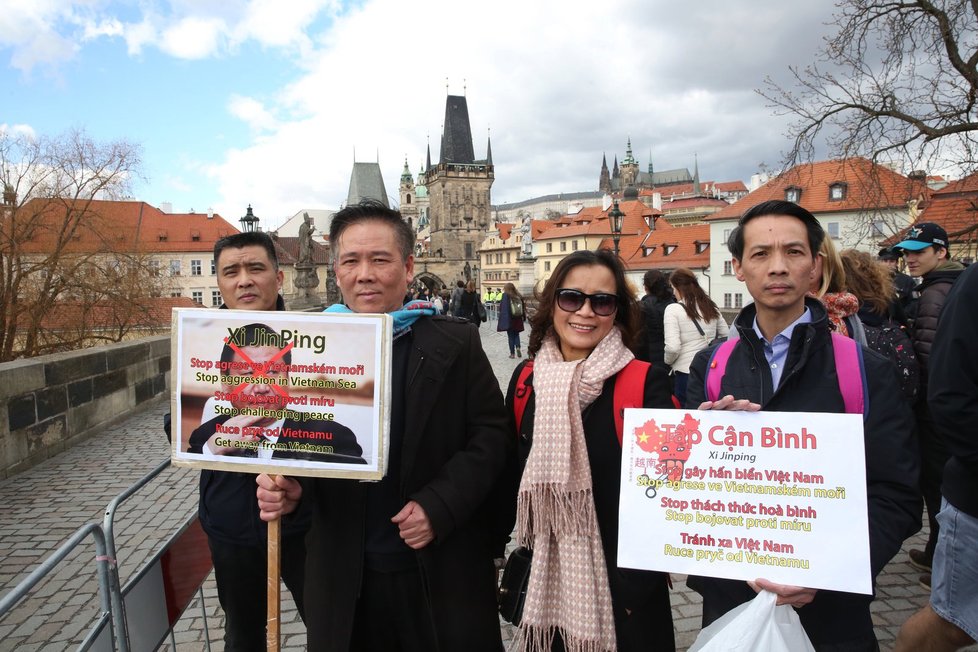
{"x": 615, "y": 181}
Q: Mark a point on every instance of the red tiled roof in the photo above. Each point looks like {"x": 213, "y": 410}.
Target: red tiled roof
{"x": 868, "y": 186}
{"x": 967, "y": 184}
{"x": 684, "y": 254}
{"x": 706, "y": 187}
{"x": 956, "y": 211}
{"x": 151, "y": 313}
{"x": 121, "y": 226}
{"x": 505, "y": 230}
{"x": 595, "y": 221}
{"x": 692, "y": 202}
{"x": 537, "y": 227}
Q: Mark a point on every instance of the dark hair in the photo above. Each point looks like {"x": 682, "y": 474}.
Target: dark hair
{"x": 511, "y": 290}
{"x": 657, "y": 284}
{"x": 627, "y": 316}
{"x": 869, "y": 280}
{"x": 253, "y": 333}
{"x": 247, "y": 239}
{"x": 692, "y": 297}
{"x": 735, "y": 243}
{"x": 367, "y": 211}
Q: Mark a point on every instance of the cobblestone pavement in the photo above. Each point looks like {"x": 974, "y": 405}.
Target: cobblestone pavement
{"x": 46, "y": 504}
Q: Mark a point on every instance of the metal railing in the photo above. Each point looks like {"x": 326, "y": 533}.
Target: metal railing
{"x": 112, "y": 596}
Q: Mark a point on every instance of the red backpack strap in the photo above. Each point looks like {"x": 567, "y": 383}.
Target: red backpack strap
{"x": 629, "y": 391}
{"x": 717, "y": 367}
{"x": 850, "y": 372}
{"x": 522, "y": 394}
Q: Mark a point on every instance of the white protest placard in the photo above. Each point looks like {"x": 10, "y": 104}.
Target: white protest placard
{"x": 304, "y": 394}
{"x": 745, "y": 495}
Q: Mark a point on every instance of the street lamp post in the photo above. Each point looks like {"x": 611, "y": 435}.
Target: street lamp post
{"x": 249, "y": 221}
{"x": 615, "y": 216}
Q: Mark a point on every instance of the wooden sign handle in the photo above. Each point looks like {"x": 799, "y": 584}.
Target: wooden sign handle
{"x": 274, "y": 601}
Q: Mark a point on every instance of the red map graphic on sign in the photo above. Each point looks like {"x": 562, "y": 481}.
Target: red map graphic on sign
{"x": 671, "y": 443}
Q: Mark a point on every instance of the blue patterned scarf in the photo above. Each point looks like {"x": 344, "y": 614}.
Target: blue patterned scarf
{"x": 403, "y": 318}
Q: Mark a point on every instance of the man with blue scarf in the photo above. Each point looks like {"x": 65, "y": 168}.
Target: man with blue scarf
{"x": 407, "y": 563}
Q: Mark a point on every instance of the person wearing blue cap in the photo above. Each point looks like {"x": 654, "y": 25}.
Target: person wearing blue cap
{"x": 925, "y": 248}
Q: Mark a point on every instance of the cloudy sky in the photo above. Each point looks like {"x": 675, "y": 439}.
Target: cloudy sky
{"x": 266, "y": 101}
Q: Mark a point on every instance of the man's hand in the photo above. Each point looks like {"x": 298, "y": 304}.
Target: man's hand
{"x": 796, "y": 596}
{"x": 728, "y": 402}
{"x": 414, "y": 525}
{"x": 277, "y": 497}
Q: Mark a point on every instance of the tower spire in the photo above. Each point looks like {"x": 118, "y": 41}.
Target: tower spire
{"x": 488, "y": 146}
{"x": 696, "y": 175}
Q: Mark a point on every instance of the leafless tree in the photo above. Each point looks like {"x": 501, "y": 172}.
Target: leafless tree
{"x": 896, "y": 83}
{"x": 68, "y": 276}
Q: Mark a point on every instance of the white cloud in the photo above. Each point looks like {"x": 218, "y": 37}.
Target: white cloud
{"x": 17, "y": 129}
{"x": 193, "y": 38}
{"x": 558, "y": 83}
{"x": 252, "y": 112}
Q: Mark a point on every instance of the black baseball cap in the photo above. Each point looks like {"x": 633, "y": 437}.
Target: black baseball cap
{"x": 923, "y": 235}
{"x": 889, "y": 253}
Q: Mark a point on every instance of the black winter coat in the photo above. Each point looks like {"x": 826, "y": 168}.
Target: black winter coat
{"x": 652, "y": 341}
{"x": 953, "y": 396}
{"x": 932, "y": 293}
{"x": 454, "y": 448}
{"x": 809, "y": 384}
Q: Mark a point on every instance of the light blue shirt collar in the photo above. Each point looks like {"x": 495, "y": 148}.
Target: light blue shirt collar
{"x": 776, "y": 351}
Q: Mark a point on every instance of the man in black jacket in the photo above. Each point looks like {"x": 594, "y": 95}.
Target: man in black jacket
{"x": 950, "y": 621}
{"x": 925, "y": 249}
{"x": 407, "y": 563}
{"x": 784, "y": 362}
{"x": 249, "y": 279}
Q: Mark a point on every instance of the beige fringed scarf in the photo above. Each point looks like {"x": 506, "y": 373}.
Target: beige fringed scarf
{"x": 568, "y": 588}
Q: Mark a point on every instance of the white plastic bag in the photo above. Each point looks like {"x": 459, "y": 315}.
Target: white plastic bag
{"x": 755, "y": 626}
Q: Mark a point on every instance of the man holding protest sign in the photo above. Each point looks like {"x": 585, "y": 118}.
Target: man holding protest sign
{"x": 407, "y": 563}
{"x": 784, "y": 361}
{"x": 249, "y": 279}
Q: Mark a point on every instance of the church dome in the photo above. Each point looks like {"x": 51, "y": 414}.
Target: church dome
{"x": 630, "y": 193}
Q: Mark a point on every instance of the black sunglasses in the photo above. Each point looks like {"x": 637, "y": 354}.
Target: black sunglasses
{"x": 602, "y": 303}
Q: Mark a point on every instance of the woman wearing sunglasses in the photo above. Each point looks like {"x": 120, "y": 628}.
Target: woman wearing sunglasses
{"x": 567, "y": 505}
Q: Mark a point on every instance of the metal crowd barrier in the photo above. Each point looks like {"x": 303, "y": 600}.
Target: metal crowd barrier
{"x": 154, "y": 598}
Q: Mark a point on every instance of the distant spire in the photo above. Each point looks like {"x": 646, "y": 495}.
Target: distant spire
{"x": 696, "y": 175}
{"x": 650, "y": 160}
{"x": 615, "y": 172}
{"x": 406, "y": 176}
{"x": 427, "y": 164}
{"x": 604, "y": 161}
{"x": 489, "y": 147}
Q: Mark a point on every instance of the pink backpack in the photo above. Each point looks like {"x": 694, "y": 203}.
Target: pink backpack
{"x": 849, "y": 369}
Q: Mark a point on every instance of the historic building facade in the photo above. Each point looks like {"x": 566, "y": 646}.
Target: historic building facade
{"x": 459, "y": 203}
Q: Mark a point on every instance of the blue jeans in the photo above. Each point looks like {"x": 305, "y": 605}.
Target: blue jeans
{"x": 514, "y": 341}
{"x": 954, "y": 577}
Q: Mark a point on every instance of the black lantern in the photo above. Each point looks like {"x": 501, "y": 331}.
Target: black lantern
{"x": 615, "y": 216}
{"x": 249, "y": 222}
